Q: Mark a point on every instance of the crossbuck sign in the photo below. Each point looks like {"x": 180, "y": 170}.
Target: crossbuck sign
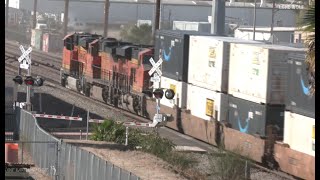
{"x": 24, "y": 59}
{"x": 155, "y": 67}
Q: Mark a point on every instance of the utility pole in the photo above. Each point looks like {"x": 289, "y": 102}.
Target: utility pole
{"x": 156, "y": 19}
{"x": 106, "y": 18}
{"x": 254, "y": 20}
{"x": 272, "y": 20}
{"x": 7, "y": 12}
{"x": 35, "y": 3}
{"x": 65, "y": 17}
{"x": 218, "y": 17}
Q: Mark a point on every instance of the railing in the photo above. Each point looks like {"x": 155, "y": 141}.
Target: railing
{"x": 65, "y": 161}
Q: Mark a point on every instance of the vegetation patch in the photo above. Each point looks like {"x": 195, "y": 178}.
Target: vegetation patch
{"x": 149, "y": 142}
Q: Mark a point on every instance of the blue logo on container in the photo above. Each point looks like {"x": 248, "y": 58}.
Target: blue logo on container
{"x": 243, "y": 129}
{"x": 305, "y": 89}
{"x": 166, "y": 56}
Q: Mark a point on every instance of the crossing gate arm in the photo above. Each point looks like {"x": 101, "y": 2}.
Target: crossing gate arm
{"x": 69, "y": 118}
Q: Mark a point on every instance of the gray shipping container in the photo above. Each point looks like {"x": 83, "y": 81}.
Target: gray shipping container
{"x": 299, "y": 101}
{"x": 253, "y": 118}
{"x": 173, "y": 48}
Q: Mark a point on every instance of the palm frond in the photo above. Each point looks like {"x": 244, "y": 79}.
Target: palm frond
{"x": 308, "y": 26}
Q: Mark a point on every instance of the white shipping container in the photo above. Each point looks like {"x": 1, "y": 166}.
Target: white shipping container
{"x": 180, "y": 89}
{"x": 299, "y": 132}
{"x": 259, "y": 72}
{"x": 209, "y": 61}
{"x": 191, "y": 26}
{"x": 207, "y": 104}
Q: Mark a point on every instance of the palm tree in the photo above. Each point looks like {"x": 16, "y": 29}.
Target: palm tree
{"x": 309, "y": 29}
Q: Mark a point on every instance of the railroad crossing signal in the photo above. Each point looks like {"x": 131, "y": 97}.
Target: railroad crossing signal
{"x": 155, "y": 66}
{"x": 24, "y": 58}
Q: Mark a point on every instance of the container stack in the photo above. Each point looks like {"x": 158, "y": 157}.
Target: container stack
{"x": 208, "y": 76}
{"x": 258, "y": 81}
{"x": 299, "y": 118}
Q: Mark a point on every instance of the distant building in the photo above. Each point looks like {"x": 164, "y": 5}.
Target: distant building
{"x": 15, "y": 16}
{"x": 280, "y": 34}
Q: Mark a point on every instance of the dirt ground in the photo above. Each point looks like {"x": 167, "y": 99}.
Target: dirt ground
{"x": 144, "y": 165}
{"x": 35, "y": 172}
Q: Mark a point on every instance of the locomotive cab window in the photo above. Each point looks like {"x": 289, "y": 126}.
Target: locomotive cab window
{"x": 145, "y": 59}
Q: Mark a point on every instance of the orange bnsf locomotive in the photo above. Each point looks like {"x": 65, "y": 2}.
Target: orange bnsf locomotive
{"x": 107, "y": 69}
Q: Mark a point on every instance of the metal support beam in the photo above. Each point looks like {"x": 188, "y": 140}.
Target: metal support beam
{"x": 156, "y": 24}
{"x": 34, "y": 21}
{"x": 65, "y": 17}
{"x": 7, "y": 12}
{"x": 218, "y": 17}
{"x": 106, "y": 18}
{"x": 254, "y": 19}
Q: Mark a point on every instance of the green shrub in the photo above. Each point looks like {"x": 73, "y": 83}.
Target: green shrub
{"x": 228, "y": 166}
{"x": 109, "y": 131}
{"x": 149, "y": 142}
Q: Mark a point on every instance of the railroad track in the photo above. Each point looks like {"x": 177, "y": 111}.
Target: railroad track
{"x": 53, "y": 77}
{"x": 37, "y": 57}
{"x": 50, "y": 71}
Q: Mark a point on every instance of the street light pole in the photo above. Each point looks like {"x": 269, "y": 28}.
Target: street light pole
{"x": 35, "y": 14}
{"x": 272, "y": 20}
{"x": 106, "y": 18}
{"x": 7, "y": 12}
{"x": 65, "y": 17}
{"x": 156, "y": 24}
{"x": 254, "y": 20}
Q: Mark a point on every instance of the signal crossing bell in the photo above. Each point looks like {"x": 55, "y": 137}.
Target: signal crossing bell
{"x": 38, "y": 81}
{"x": 169, "y": 94}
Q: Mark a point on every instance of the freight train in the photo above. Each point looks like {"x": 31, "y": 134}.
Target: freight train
{"x": 107, "y": 69}
{"x": 228, "y": 91}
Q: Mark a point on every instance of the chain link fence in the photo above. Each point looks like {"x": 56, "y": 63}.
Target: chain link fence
{"x": 64, "y": 161}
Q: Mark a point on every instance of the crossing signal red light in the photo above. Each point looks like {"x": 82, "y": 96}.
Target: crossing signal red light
{"x": 158, "y": 93}
{"x": 169, "y": 94}
{"x": 18, "y": 80}
{"x": 29, "y": 81}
